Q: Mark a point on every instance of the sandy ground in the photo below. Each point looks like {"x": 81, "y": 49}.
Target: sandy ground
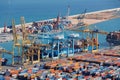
{"x": 96, "y": 17}
{"x": 87, "y": 21}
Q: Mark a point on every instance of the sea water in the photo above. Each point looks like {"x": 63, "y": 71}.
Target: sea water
{"x": 35, "y": 10}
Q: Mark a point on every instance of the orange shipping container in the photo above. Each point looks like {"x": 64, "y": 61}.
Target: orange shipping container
{"x": 14, "y": 72}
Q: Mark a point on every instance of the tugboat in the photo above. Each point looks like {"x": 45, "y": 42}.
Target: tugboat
{"x": 113, "y": 38}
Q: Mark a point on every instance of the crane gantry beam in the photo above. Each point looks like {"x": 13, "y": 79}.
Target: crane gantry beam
{"x": 16, "y": 42}
{"x": 14, "y": 32}
{"x": 5, "y": 51}
{"x": 91, "y": 31}
{"x": 25, "y": 39}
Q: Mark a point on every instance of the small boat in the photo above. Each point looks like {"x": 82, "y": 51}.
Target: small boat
{"x": 59, "y": 37}
{"x": 44, "y": 35}
{"x": 74, "y": 35}
{"x": 1, "y": 48}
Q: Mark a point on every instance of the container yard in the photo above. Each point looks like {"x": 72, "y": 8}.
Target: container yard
{"x": 54, "y": 49}
{"x": 102, "y": 65}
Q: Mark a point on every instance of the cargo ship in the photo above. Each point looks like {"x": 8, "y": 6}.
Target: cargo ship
{"x": 113, "y": 38}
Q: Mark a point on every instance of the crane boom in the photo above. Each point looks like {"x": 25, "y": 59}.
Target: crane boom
{"x": 5, "y": 51}
{"x": 14, "y": 31}
{"x": 23, "y": 28}
{"x": 91, "y": 31}
{"x": 25, "y": 39}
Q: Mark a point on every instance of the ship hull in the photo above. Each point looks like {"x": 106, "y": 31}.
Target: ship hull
{"x": 113, "y": 38}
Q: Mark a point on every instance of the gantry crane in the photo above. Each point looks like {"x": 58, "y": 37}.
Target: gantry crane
{"x": 16, "y": 43}
{"x": 25, "y": 40}
{"x": 32, "y": 48}
{"x": 68, "y": 11}
{"x": 94, "y": 39}
{"x": 29, "y": 52}
{"x": 19, "y": 42}
{"x": 81, "y": 17}
{"x": 26, "y": 47}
